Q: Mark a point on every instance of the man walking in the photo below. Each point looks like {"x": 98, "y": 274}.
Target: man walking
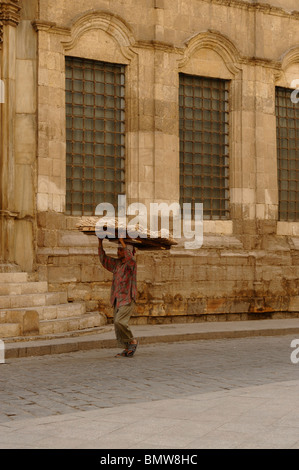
{"x": 123, "y": 293}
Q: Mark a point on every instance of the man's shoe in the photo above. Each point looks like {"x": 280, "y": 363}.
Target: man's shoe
{"x": 132, "y": 349}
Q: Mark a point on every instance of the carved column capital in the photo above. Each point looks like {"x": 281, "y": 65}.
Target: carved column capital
{"x": 9, "y": 14}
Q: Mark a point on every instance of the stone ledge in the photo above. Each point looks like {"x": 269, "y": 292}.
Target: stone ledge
{"x": 148, "y": 334}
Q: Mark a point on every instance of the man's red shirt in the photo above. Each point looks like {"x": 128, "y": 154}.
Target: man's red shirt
{"x": 124, "y": 285}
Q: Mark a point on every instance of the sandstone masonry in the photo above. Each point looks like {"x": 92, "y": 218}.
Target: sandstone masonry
{"x": 248, "y": 264}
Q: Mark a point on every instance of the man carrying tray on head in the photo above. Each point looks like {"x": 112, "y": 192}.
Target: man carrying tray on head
{"x": 123, "y": 293}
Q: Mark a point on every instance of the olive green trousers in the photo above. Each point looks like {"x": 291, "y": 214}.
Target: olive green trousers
{"x": 121, "y": 319}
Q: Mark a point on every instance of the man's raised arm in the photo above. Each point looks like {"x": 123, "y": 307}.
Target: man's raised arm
{"x": 108, "y": 262}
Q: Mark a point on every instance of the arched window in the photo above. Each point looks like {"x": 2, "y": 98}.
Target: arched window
{"x": 95, "y": 134}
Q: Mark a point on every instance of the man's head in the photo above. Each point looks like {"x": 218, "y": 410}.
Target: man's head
{"x": 121, "y": 250}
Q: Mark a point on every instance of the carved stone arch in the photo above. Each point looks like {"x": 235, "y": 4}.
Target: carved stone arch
{"x": 289, "y": 58}
{"x": 288, "y": 76}
{"x": 111, "y": 24}
{"x": 217, "y": 43}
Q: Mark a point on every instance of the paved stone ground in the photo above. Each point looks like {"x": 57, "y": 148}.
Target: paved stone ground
{"x": 225, "y": 393}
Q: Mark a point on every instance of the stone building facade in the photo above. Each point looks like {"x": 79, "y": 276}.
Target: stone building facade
{"x": 202, "y": 109}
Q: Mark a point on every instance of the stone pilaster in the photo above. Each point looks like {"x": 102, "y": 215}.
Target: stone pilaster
{"x": 9, "y": 20}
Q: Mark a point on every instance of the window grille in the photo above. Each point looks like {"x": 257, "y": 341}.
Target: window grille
{"x": 204, "y": 144}
{"x": 95, "y": 134}
{"x": 287, "y": 127}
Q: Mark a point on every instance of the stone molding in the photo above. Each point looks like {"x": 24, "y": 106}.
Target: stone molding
{"x": 107, "y": 22}
{"x": 218, "y": 43}
{"x": 112, "y": 24}
{"x": 9, "y": 15}
{"x": 256, "y": 6}
{"x": 8, "y": 214}
{"x": 291, "y": 57}
{"x": 101, "y": 20}
{"x": 120, "y": 31}
{"x": 51, "y": 27}
{"x": 226, "y": 49}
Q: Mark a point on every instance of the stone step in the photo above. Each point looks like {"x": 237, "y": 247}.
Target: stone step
{"x": 62, "y": 325}
{"x": 28, "y": 320}
{"x": 19, "y": 288}
{"x": 32, "y": 300}
{"x": 53, "y": 312}
{"x": 27, "y": 308}
{"x": 13, "y": 277}
{"x": 49, "y": 312}
{"x": 8, "y": 330}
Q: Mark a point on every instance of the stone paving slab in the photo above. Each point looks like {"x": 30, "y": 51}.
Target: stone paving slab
{"x": 149, "y": 334}
{"x": 203, "y": 394}
{"x": 259, "y": 417}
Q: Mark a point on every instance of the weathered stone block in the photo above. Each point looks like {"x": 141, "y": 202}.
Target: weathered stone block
{"x": 27, "y": 319}
{"x": 294, "y": 304}
{"x": 64, "y": 274}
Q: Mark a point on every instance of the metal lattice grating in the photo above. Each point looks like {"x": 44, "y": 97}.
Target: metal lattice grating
{"x": 95, "y": 134}
{"x": 287, "y": 120}
{"x": 204, "y": 144}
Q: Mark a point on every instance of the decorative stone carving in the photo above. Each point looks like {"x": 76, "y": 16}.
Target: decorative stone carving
{"x": 9, "y": 14}
{"x": 217, "y": 42}
{"x": 111, "y": 24}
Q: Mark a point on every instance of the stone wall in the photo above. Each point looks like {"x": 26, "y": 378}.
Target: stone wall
{"x": 248, "y": 265}
{"x": 249, "y": 275}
